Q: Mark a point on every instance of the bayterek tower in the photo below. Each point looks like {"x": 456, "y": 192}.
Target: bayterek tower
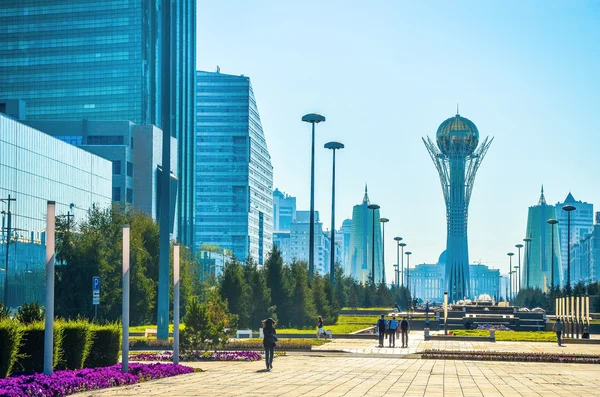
{"x": 457, "y": 158}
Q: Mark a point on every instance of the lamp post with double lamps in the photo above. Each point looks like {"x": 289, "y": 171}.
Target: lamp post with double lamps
{"x": 568, "y": 209}
{"x": 383, "y": 221}
{"x": 313, "y": 118}
{"x": 398, "y": 239}
{"x": 333, "y": 146}
{"x": 519, "y": 246}
{"x": 373, "y": 207}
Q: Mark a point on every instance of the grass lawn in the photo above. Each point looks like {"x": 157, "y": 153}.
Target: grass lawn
{"x": 511, "y": 336}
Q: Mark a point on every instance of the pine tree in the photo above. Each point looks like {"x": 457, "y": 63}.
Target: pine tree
{"x": 233, "y": 288}
{"x": 258, "y": 295}
{"x": 301, "y": 305}
{"x": 278, "y": 283}
{"x": 320, "y": 298}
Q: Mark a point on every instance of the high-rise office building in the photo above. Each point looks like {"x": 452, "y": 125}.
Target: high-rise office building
{"x": 131, "y": 60}
{"x": 582, "y": 219}
{"x": 299, "y": 241}
{"x": 284, "y": 210}
{"x": 36, "y": 168}
{"x": 234, "y": 175}
{"x": 343, "y": 236}
{"x": 361, "y": 243}
{"x": 536, "y": 270}
{"x": 457, "y": 159}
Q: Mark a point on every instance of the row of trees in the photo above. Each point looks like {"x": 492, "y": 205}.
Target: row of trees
{"x": 287, "y": 293}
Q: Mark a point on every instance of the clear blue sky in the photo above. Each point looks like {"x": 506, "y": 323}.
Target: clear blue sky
{"x": 387, "y": 73}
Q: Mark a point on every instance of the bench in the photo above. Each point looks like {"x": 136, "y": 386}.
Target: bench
{"x": 244, "y": 333}
{"x": 149, "y": 332}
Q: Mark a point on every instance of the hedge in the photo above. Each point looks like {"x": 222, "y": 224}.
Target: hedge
{"x": 77, "y": 342}
{"x": 31, "y": 352}
{"x": 11, "y": 333}
{"x": 106, "y": 346}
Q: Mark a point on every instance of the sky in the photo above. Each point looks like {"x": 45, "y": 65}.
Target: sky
{"x": 387, "y": 73}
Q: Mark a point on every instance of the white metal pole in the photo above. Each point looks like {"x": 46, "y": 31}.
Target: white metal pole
{"x": 445, "y": 313}
{"x": 49, "y": 326}
{"x": 176, "y": 304}
{"x": 125, "y": 336}
{"x": 587, "y": 311}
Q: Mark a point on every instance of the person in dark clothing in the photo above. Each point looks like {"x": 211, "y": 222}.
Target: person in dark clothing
{"x": 320, "y": 330}
{"x": 381, "y": 326}
{"x": 558, "y": 327}
{"x": 404, "y": 330}
{"x": 585, "y": 334}
{"x": 269, "y": 340}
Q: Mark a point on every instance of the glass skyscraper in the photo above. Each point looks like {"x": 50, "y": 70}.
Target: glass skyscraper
{"x": 35, "y": 168}
{"x": 234, "y": 175}
{"x": 106, "y": 60}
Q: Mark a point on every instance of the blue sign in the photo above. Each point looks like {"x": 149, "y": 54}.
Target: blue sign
{"x": 96, "y": 291}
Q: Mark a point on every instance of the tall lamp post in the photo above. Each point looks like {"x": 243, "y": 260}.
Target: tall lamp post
{"x": 408, "y": 254}
{"x": 516, "y": 284}
{"x": 8, "y": 214}
{"x": 313, "y": 118}
{"x": 333, "y": 146}
{"x": 552, "y": 222}
{"x": 568, "y": 209}
{"x": 510, "y": 271}
{"x": 402, "y": 245}
{"x": 383, "y": 221}
{"x": 527, "y": 241}
{"x": 398, "y": 239}
{"x": 519, "y": 246}
{"x": 373, "y": 207}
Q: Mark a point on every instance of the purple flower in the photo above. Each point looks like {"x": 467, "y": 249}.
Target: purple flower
{"x": 63, "y": 383}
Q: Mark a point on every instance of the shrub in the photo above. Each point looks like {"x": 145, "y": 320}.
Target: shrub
{"x": 30, "y": 313}
{"x": 106, "y": 346}
{"x": 10, "y": 340}
{"x": 4, "y": 312}
{"x": 77, "y": 342}
{"x": 31, "y": 352}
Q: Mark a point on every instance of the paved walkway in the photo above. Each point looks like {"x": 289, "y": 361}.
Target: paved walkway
{"x": 417, "y": 344}
{"x": 335, "y": 375}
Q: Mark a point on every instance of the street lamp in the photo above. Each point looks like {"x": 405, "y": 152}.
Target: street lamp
{"x": 516, "y": 274}
{"x": 519, "y": 246}
{"x": 510, "y": 272}
{"x": 569, "y": 209}
{"x": 402, "y": 245}
{"x": 383, "y": 221}
{"x": 313, "y": 118}
{"x": 373, "y": 207}
{"x": 552, "y": 222}
{"x": 398, "y": 239}
{"x": 527, "y": 241}
{"x": 333, "y": 146}
{"x": 408, "y": 254}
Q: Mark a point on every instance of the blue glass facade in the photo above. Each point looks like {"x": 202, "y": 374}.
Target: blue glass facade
{"x": 35, "y": 168}
{"x": 234, "y": 175}
{"x": 106, "y": 60}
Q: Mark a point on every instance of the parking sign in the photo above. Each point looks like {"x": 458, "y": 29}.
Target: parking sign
{"x": 96, "y": 290}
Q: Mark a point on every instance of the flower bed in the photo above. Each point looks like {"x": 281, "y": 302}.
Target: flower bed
{"x": 510, "y": 356}
{"x": 201, "y": 356}
{"x": 63, "y": 383}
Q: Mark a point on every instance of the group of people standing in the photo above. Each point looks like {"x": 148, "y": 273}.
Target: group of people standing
{"x": 393, "y": 329}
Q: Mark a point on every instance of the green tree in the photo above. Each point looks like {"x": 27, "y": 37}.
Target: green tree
{"x": 383, "y": 296}
{"x": 301, "y": 304}
{"x": 277, "y": 280}
{"x": 259, "y": 296}
{"x": 322, "y": 306}
{"x": 233, "y": 289}
{"x": 198, "y": 327}
{"x": 220, "y": 319}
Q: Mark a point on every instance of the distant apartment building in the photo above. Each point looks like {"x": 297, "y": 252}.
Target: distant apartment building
{"x": 234, "y": 175}
{"x": 36, "y": 168}
{"x": 299, "y": 241}
{"x": 585, "y": 256}
{"x": 284, "y": 210}
{"x": 582, "y": 219}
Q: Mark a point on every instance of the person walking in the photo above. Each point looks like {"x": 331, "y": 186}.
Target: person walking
{"x": 558, "y": 328}
{"x": 320, "y": 330}
{"x": 393, "y": 325}
{"x": 381, "y": 325}
{"x": 404, "y": 330}
{"x": 269, "y": 341}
